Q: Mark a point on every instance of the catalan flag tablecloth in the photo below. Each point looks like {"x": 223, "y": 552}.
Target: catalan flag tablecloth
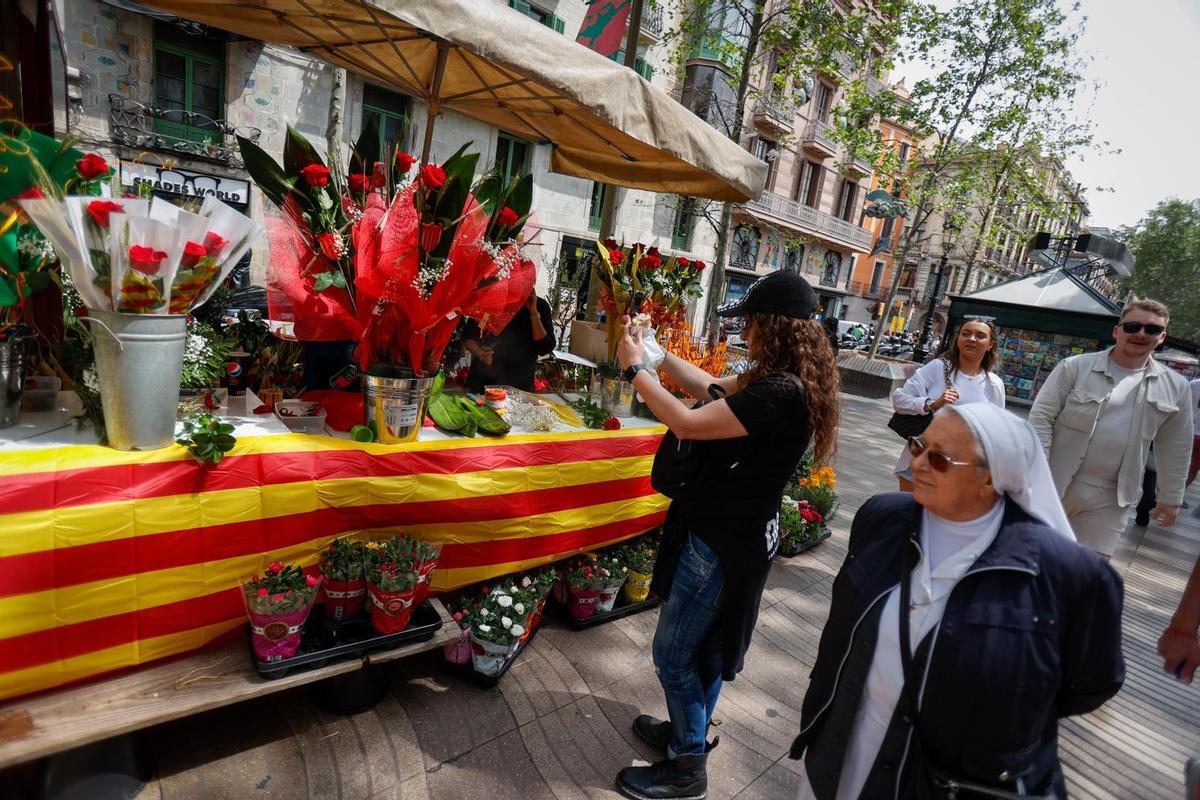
{"x": 110, "y": 559}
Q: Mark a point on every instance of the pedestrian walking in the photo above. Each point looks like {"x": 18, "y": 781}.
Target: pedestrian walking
{"x": 963, "y": 374}
{"x": 725, "y": 464}
{"x": 831, "y": 333}
{"x": 964, "y": 623}
{"x": 1097, "y": 416}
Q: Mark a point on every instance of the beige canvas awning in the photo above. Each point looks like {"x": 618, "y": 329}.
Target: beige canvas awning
{"x": 485, "y": 61}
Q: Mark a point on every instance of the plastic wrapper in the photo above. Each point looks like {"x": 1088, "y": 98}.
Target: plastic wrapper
{"x": 276, "y": 628}
{"x": 391, "y": 611}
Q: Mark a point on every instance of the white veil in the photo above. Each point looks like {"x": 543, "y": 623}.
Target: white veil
{"x": 1018, "y": 465}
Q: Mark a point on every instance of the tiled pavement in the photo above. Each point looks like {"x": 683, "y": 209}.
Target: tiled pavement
{"x": 558, "y": 724}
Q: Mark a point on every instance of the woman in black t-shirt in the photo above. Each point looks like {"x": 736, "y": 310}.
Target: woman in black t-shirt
{"x": 726, "y": 519}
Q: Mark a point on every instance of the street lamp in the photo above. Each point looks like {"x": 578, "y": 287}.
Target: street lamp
{"x": 950, "y": 232}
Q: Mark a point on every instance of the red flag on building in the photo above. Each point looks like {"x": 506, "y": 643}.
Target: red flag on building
{"x": 603, "y": 28}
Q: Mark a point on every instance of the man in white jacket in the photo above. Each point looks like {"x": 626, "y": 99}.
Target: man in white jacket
{"x": 1097, "y": 416}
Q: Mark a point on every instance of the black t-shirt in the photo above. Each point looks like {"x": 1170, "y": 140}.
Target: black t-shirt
{"x": 515, "y": 353}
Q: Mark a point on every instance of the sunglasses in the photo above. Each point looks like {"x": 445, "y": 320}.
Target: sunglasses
{"x": 1135, "y": 327}
{"x": 939, "y": 462}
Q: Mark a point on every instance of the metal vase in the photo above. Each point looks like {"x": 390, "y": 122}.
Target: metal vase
{"x": 395, "y": 407}
{"x": 12, "y": 379}
{"x": 139, "y": 360}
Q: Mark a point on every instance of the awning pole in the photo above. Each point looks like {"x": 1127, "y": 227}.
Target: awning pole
{"x": 433, "y": 100}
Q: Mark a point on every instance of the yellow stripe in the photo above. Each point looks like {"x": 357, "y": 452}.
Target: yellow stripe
{"x": 35, "y": 611}
{"x": 74, "y": 457}
{"x": 45, "y": 676}
{"x": 73, "y": 526}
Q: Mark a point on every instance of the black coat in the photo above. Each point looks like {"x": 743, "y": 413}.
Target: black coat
{"x": 1031, "y": 633}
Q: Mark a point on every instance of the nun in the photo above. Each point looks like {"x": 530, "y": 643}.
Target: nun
{"x": 965, "y": 622}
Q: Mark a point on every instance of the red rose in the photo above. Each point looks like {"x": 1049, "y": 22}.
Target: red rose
{"x": 651, "y": 260}
{"x": 311, "y": 580}
{"x": 615, "y": 257}
{"x": 34, "y": 193}
{"x": 404, "y": 161}
{"x": 359, "y": 182}
{"x": 612, "y": 424}
{"x": 611, "y": 244}
{"x": 331, "y": 245}
{"x": 683, "y": 261}
{"x": 192, "y": 253}
{"x": 262, "y": 591}
{"x": 275, "y": 567}
{"x": 214, "y": 243}
{"x": 431, "y": 236}
{"x": 508, "y": 217}
{"x": 315, "y": 175}
{"x": 433, "y": 176}
{"x": 276, "y": 599}
{"x": 100, "y": 209}
{"x": 485, "y": 590}
{"x": 91, "y": 166}
{"x": 699, "y": 266}
{"x": 146, "y": 259}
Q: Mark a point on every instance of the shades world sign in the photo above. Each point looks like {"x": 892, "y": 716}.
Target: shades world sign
{"x": 185, "y": 182}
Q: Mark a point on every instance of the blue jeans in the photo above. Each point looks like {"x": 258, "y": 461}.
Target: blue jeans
{"x": 687, "y": 649}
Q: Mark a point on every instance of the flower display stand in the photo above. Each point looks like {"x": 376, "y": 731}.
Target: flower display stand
{"x": 806, "y": 546}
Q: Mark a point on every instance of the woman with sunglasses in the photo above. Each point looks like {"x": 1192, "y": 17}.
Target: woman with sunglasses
{"x": 964, "y": 374}
{"x": 964, "y": 623}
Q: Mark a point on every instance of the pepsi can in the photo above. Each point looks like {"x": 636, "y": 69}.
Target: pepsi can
{"x": 235, "y": 373}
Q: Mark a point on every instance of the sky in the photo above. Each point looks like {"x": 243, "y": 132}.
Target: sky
{"x": 1147, "y": 107}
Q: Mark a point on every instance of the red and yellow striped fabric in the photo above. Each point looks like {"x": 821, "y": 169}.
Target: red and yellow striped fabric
{"x": 110, "y": 559}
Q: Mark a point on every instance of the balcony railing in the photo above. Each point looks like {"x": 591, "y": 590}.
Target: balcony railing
{"x": 845, "y": 65}
{"x": 870, "y": 291}
{"x": 777, "y": 111}
{"x": 875, "y": 86}
{"x": 820, "y": 134}
{"x": 812, "y": 221}
{"x": 194, "y": 135}
{"x": 652, "y": 22}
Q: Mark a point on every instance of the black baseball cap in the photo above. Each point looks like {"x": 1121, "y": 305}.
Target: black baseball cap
{"x": 783, "y": 293}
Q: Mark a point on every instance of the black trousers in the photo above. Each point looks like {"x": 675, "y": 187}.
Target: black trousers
{"x": 1149, "y": 497}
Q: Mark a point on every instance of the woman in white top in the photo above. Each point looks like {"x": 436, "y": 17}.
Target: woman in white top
{"x": 972, "y": 357}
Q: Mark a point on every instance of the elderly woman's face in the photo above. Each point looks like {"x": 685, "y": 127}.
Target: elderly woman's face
{"x": 963, "y": 491}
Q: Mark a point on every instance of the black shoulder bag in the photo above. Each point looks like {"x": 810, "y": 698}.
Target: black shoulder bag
{"x": 678, "y": 462}
{"x": 910, "y": 425}
{"x": 926, "y": 781}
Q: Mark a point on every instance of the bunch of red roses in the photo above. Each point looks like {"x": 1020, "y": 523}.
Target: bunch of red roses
{"x": 280, "y": 590}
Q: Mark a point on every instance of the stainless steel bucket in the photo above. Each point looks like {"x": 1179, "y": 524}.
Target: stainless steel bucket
{"x": 139, "y": 359}
{"x": 12, "y": 379}
{"x": 395, "y": 407}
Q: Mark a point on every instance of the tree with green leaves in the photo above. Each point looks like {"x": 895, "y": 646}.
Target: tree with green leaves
{"x": 1166, "y": 244}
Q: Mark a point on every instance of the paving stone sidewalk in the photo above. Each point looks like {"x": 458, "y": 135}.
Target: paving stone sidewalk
{"x": 558, "y": 724}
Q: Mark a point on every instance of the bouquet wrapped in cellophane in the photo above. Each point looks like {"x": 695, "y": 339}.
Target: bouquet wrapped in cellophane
{"x": 144, "y": 256}
{"x": 391, "y": 254}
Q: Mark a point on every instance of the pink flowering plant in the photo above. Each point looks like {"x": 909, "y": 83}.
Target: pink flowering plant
{"x": 587, "y": 573}
{"x": 282, "y": 589}
{"x": 799, "y": 526}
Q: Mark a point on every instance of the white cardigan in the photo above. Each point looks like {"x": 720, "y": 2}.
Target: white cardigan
{"x": 929, "y": 383}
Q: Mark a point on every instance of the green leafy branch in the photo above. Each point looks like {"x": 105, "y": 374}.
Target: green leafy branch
{"x": 207, "y": 437}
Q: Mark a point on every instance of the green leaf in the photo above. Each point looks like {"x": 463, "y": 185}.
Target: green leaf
{"x": 10, "y": 259}
{"x": 265, "y": 171}
{"x": 8, "y": 293}
{"x": 366, "y": 150}
{"x": 324, "y": 200}
{"x": 298, "y": 152}
{"x": 326, "y": 280}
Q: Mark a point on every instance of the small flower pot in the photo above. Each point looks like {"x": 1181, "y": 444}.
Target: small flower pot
{"x": 390, "y": 611}
{"x": 488, "y": 658}
{"x": 459, "y": 652}
{"x": 344, "y": 599}
{"x": 424, "y": 576}
{"x": 637, "y": 586}
{"x": 540, "y": 608}
{"x": 275, "y": 637}
{"x": 582, "y": 602}
{"x": 608, "y": 597}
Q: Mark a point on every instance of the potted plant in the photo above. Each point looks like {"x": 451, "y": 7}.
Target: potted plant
{"x": 800, "y": 527}
{"x": 498, "y": 627}
{"x": 639, "y": 557}
{"x": 612, "y": 569}
{"x": 277, "y": 604}
{"x": 345, "y": 580}
{"x": 584, "y": 581}
{"x": 425, "y": 556}
{"x": 461, "y": 609}
{"x": 391, "y": 584}
{"x": 817, "y": 485}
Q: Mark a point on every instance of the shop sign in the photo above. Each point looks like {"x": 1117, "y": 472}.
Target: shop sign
{"x": 185, "y": 182}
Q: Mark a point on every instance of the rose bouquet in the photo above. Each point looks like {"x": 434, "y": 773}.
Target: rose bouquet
{"x": 345, "y": 579}
{"x": 277, "y": 603}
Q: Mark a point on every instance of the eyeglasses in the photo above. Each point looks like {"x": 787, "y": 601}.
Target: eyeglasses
{"x": 940, "y": 462}
{"x": 979, "y": 318}
{"x": 1135, "y": 327}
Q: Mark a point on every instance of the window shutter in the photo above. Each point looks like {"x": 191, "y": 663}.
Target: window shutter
{"x": 556, "y": 23}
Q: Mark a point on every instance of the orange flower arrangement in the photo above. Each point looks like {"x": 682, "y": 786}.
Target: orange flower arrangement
{"x": 679, "y": 342}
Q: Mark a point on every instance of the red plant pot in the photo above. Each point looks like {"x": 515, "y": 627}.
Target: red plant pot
{"x": 582, "y": 603}
{"x": 390, "y": 611}
{"x": 424, "y": 577}
{"x": 560, "y": 588}
{"x": 344, "y": 599}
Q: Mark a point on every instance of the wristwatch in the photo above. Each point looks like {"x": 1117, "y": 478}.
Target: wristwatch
{"x": 632, "y": 370}
{"x": 928, "y": 405}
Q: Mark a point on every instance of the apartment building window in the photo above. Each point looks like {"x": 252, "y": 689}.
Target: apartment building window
{"x": 808, "y": 189}
{"x": 596, "y": 206}
{"x": 832, "y": 268}
{"x": 824, "y": 99}
{"x": 685, "y": 222}
{"x": 536, "y": 14}
{"x": 391, "y": 114}
{"x": 908, "y": 278}
{"x": 189, "y": 83}
{"x": 640, "y": 65}
{"x": 768, "y": 151}
{"x": 904, "y": 150}
{"x": 512, "y": 156}
{"x": 793, "y": 258}
{"x": 876, "y": 277}
{"x": 745, "y": 247}
{"x": 846, "y": 202}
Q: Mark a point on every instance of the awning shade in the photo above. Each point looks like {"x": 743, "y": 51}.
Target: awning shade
{"x": 485, "y": 61}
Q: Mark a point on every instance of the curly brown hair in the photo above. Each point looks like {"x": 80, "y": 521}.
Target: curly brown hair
{"x": 799, "y": 346}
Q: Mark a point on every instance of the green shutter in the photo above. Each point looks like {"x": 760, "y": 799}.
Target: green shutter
{"x": 556, "y": 23}
{"x": 644, "y": 69}
{"x": 520, "y": 5}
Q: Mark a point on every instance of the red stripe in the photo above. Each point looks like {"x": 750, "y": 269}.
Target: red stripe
{"x": 72, "y": 487}
{"x": 67, "y": 641}
{"x": 67, "y": 566}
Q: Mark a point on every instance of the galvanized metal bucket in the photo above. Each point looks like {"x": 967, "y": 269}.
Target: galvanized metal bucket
{"x": 395, "y": 407}
{"x": 12, "y": 379}
{"x": 139, "y": 360}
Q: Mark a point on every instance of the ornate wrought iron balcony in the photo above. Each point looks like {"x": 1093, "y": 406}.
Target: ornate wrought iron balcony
{"x": 652, "y": 22}
{"x": 776, "y": 113}
{"x": 811, "y": 221}
{"x": 818, "y": 138}
{"x": 183, "y": 132}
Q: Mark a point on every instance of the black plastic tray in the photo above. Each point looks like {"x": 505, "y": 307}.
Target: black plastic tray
{"x": 807, "y": 545}
{"x": 467, "y": 671}
{"x": 324, "y": 640}
{"x": 622, "y": 608}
